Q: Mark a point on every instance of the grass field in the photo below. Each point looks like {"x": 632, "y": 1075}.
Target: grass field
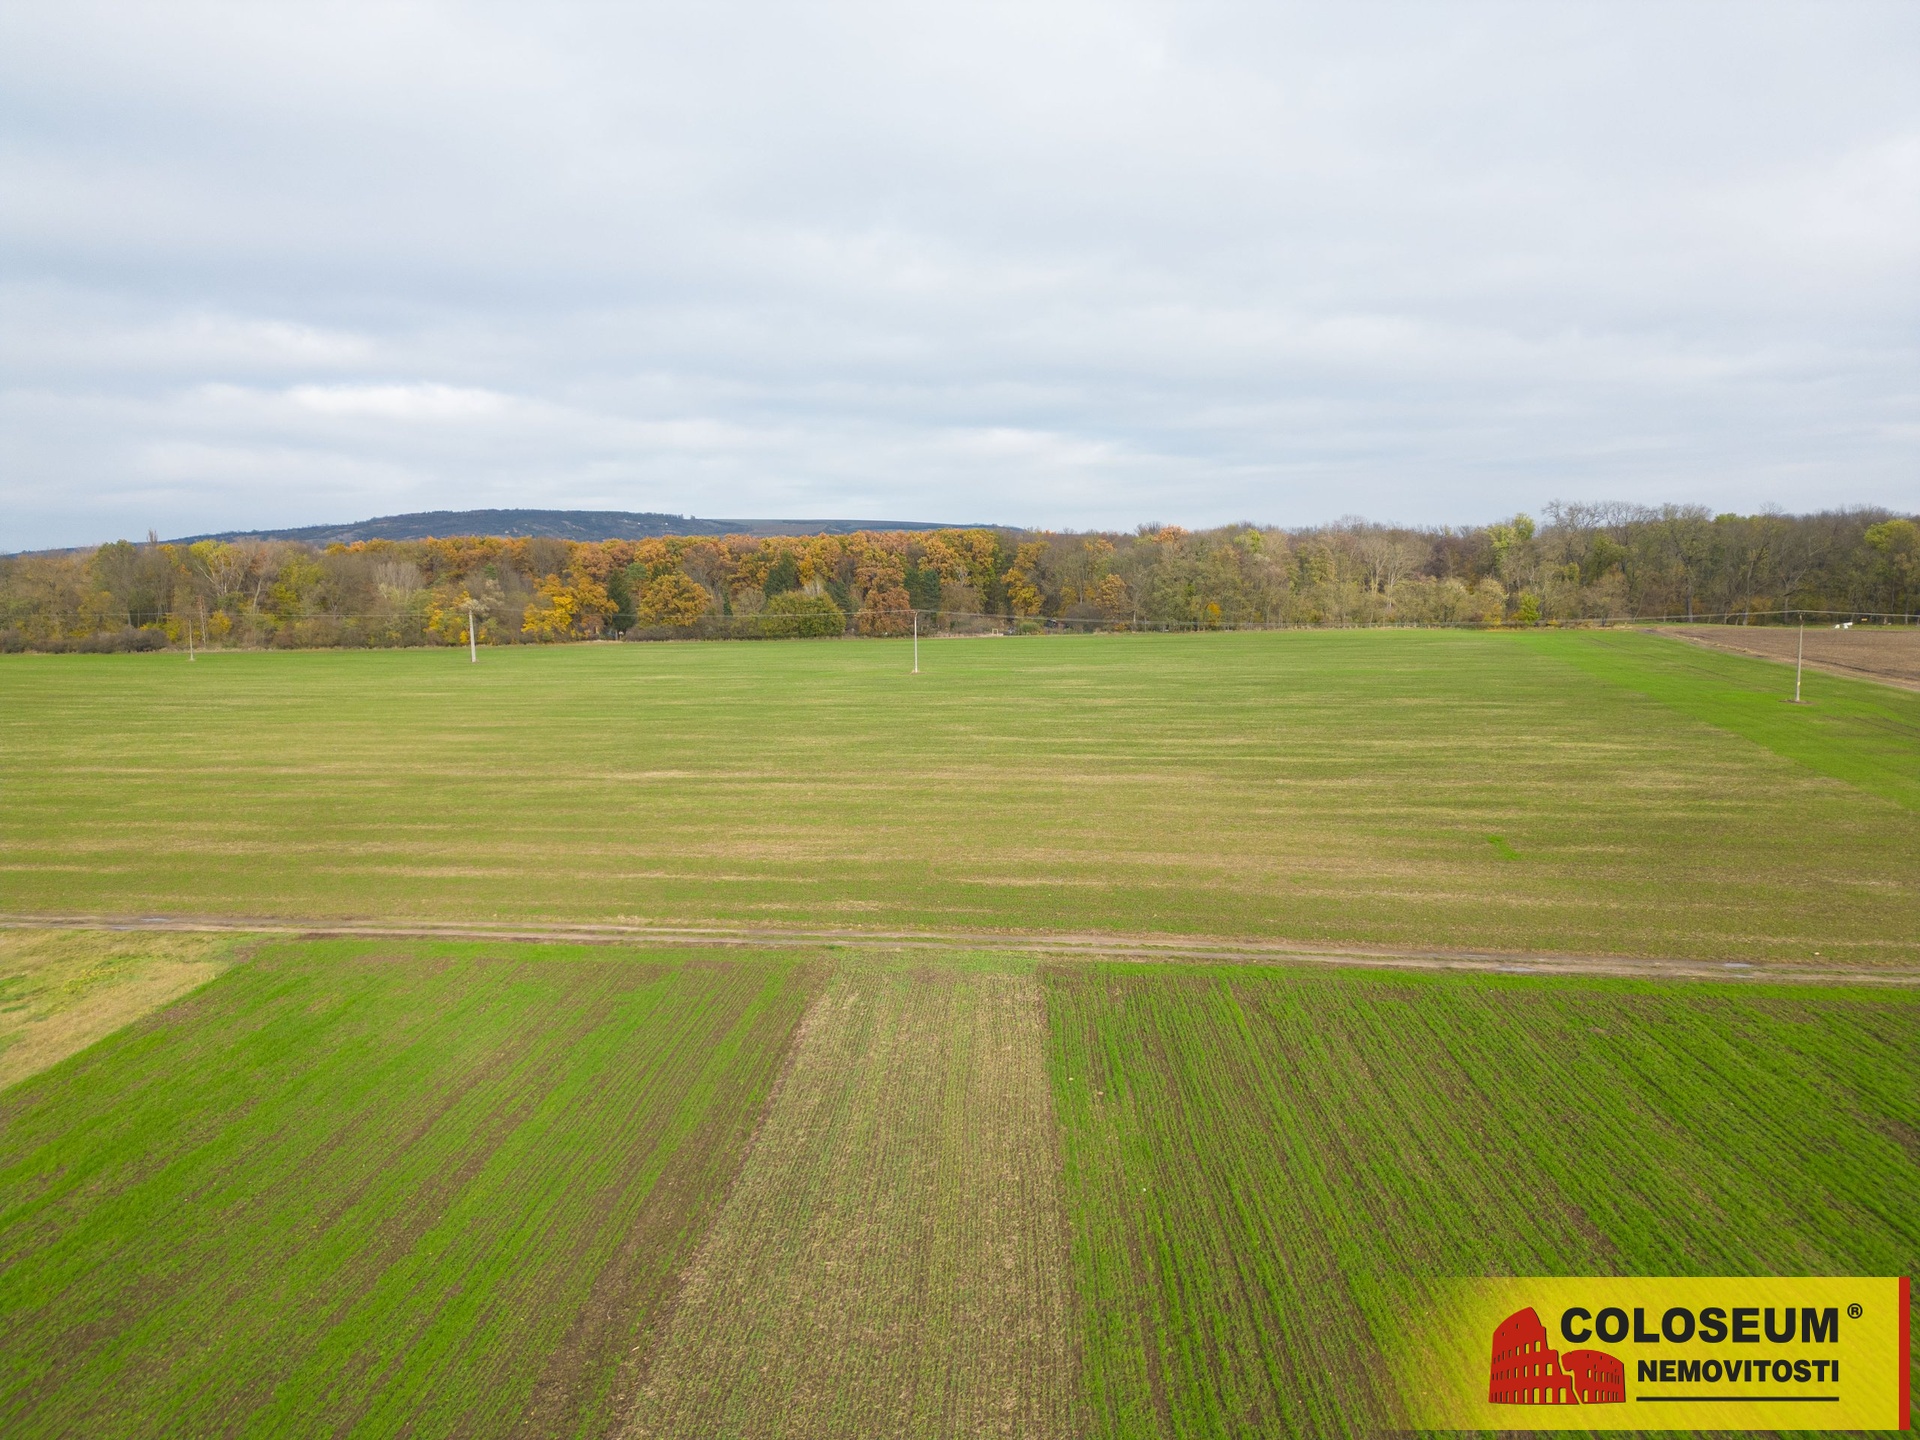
{"x": 1584, "y": 792}
{"x": 532, "y": 1190}
{"x": 263, "y": 1186}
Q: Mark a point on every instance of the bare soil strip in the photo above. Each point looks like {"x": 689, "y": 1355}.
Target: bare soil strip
{"x": 1166, "y": 948}
{"x": 1886, "y": 653}
{"x": 893, "y": 1257}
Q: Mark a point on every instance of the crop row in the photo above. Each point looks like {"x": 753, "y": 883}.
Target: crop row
{"x": 349, "y": 1191}
{"x": 1263, "y": 1168}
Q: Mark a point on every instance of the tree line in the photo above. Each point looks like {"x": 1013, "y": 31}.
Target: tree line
{"x": 1582, "y": 562}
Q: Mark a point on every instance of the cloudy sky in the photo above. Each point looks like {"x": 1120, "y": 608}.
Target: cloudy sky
{"x": 1047, "y": 263}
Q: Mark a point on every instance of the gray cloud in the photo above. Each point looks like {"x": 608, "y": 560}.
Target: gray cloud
{"x": 1066, "y": 265}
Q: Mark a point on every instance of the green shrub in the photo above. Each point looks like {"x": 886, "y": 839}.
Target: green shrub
{"x": 793, "y": 615}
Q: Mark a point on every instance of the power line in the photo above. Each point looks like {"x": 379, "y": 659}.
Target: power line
{"x": 912, "y": 616}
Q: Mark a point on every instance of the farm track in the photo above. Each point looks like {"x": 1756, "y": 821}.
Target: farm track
{"x": 1145, "y": 948}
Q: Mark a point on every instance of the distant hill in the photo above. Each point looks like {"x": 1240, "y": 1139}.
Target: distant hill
{"x": 559, "y": 524}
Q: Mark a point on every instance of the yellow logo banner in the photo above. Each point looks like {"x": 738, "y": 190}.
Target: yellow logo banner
{"x": 1608, "y": 1353}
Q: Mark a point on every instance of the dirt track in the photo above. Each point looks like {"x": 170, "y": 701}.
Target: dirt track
{"x": 1887, "y": 653}
{"x": 1163, "y": 948}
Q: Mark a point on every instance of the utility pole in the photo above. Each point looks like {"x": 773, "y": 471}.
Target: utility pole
{"x": 916, "y": 642}
{"x": 473, "y": 645}
{"x": 1799, "y": 655}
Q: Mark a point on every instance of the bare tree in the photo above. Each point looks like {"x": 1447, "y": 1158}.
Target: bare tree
{"x": 1682, "y": 534}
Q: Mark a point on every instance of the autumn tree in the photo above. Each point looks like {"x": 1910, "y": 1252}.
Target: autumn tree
{"x": 1023, "y": 579}
{"x": 137, "y": 577}
{"x": 672, "y": 599}
{"x": 1586, "y": 561}
{"x": 887, "y": 611}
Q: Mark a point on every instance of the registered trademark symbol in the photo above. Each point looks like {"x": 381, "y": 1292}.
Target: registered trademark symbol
{"x": 1853, "y": 1312}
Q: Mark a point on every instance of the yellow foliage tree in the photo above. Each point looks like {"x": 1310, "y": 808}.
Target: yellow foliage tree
{"x": 552, "y": 614}
{"x": 447, "y": 622}
{"x": 1111, "y": 596}
{"x": 568, "y": 609}
{"x": 592, "y": 605}
{"x": 1023, "y": 589}
{"x": 672, "y": 599}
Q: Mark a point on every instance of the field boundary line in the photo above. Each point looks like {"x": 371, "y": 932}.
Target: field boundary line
{"x": 1836, "y": 668}
{"x": 1142, "y": 948}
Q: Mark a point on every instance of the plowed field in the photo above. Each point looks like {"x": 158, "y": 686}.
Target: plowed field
{"x": 1888, "y": 653}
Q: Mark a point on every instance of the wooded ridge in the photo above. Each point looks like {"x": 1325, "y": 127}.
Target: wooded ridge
{"x": 1584, "y": 563}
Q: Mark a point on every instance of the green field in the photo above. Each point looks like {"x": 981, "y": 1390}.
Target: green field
{"x": 1264, "y": 1166}
{"x": 1579, "y": 791}
{"x": 253, "y": 1185}
{"x": 341, "y": 1189}
{"x": 539, "y": 1190}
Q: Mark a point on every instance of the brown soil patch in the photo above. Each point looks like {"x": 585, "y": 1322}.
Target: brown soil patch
{"x": 1887, "y": 653}
{"x": 892, "y": 1260}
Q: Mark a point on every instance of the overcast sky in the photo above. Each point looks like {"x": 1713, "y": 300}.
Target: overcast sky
{"x": 1041, "y": 263}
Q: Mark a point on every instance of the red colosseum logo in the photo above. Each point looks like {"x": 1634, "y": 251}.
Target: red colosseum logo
{"x": 1525, "y": 1372}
